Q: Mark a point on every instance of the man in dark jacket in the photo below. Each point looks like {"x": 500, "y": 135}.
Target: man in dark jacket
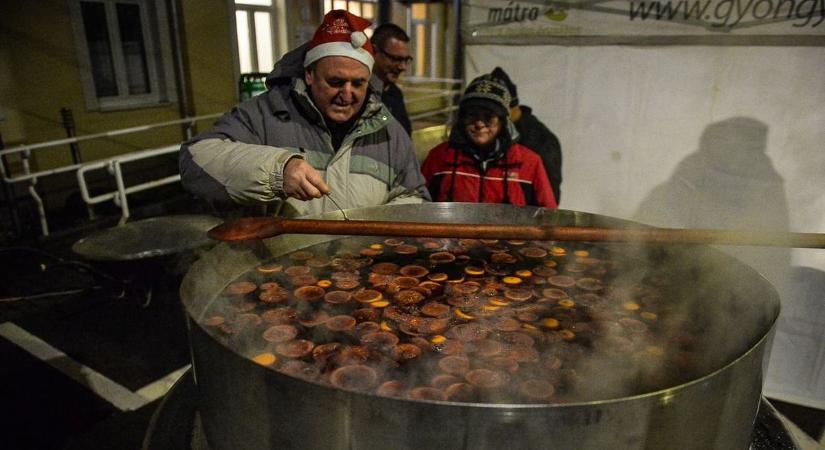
{"x": 533, "y": 134}
{"x": 392, "y": 55}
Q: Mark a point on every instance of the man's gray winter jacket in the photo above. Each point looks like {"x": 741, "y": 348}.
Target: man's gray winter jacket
{"x": 241, "y": 159}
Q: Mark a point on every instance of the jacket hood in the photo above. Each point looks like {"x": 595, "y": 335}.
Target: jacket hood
{"x": 291, "y": 66}
{"x": 526, "y": 110}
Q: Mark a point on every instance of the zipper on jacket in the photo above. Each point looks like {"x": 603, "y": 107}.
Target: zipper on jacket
{"x": 482, "y": 173}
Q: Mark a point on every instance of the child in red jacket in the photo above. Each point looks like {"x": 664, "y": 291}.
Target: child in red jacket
{"x": 480, "y": 163}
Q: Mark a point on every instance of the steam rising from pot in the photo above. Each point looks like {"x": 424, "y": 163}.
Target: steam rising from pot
{"x": 616, "y": 350}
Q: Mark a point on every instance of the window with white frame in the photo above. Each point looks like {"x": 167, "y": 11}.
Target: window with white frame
{"x": 424, "y": 40}
{"x": 367, "y": 9}
{"x": 255, "y": 26}
{"x": 123, "y": 52}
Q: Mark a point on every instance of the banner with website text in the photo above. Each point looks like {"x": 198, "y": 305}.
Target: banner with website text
{"x": 640, "y": 18}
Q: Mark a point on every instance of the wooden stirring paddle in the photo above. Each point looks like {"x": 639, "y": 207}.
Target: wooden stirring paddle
{"x": 266, "y": 227}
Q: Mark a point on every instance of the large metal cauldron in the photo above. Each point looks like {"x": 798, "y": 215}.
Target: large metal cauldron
{"x": 247, "y": 406}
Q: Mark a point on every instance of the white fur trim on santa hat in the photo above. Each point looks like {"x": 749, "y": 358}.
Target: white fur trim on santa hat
{"x": 339, "y": 49}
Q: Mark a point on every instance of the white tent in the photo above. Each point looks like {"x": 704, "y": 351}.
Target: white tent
{"x": 713, "y": 120}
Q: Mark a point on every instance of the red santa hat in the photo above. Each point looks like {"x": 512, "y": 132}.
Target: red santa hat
{"x": 341, "y": 34}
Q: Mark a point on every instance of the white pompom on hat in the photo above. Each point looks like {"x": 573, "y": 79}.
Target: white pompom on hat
{"x": 341, "y": 34}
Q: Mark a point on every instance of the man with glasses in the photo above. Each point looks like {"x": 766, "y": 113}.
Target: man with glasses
{"x": 392, "y": 56}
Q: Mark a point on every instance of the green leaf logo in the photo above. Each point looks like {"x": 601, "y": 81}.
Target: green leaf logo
{"x": 555, "y": 15}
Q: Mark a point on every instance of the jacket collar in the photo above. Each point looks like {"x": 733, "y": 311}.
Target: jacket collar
{"x": 503, "y": 142}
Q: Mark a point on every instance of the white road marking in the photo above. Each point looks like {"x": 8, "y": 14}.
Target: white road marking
{"x": 808, "y": 402}
{"x": 159, "y": 388}
{"x": 119, "y": 396}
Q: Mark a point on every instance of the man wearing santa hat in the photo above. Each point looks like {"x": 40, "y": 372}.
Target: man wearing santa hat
{"x": 320, "y": 131}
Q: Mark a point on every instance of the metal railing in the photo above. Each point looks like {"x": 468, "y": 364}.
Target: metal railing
{"x": 422, "y": 93}
{"x": 424, "y": 80}
{"x": 189, "y": 120}
{"x": 446, "y": 110}
{"x": 112, "y": 164}
{"x": 114, "y": 168}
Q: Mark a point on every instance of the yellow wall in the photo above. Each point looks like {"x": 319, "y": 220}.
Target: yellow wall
{"x": 39, "y": 75}
{"x": 303, "y": 18}
{"x": 11, "y": 126}
{"x": 39, "y": 51}
{"x": 209, "y": 63}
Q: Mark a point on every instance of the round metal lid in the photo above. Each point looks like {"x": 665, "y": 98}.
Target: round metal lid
{"x": 147, "y": 238}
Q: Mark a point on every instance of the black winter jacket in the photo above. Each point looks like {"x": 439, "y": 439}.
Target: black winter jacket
{"x": 535, "y": 135}
{"x": 393, "y": 99}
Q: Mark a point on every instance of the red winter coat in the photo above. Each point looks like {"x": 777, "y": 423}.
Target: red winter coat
{"x": 455, "y": 176}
